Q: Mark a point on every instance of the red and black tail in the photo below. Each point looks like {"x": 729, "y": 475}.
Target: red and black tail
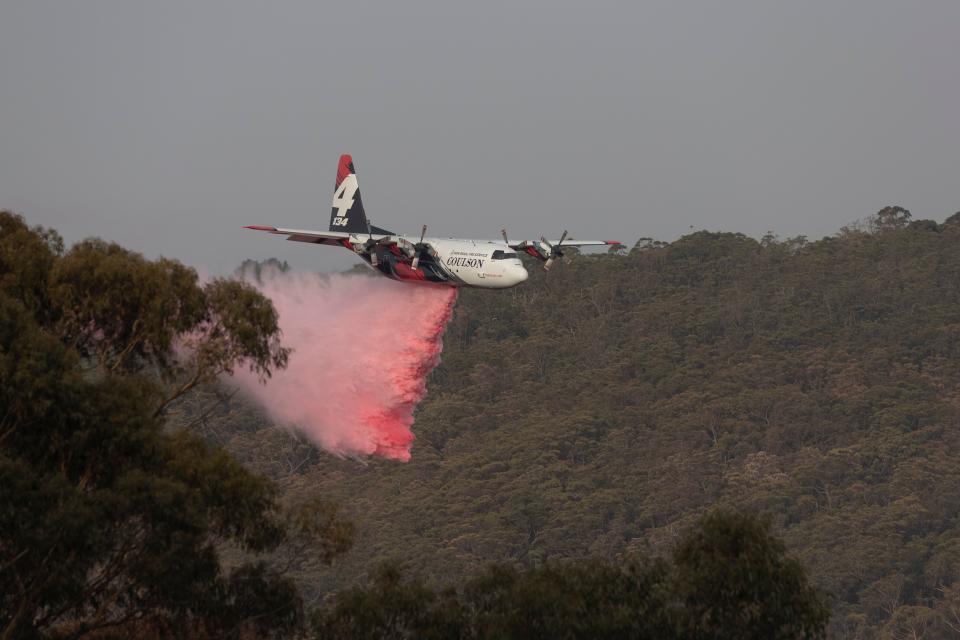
{"x": 347, "y": 214}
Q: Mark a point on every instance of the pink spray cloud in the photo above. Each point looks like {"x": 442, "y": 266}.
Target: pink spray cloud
{"x": 362, "y": 350}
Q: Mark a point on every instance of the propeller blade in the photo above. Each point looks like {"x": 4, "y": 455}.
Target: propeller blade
{"x": 503, "y": 232}
{"x": 370, "y": 246}
{"x": 555, "y": 251}
{"x": 417, "y": 248}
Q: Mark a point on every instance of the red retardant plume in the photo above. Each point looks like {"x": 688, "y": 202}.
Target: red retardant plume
{"x": 362, "y": 349}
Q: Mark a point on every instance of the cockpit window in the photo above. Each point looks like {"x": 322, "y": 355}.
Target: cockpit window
{"x": 503, "y": 255}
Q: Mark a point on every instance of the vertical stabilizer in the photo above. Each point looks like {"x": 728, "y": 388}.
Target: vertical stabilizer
{"x": 347, "y": 214}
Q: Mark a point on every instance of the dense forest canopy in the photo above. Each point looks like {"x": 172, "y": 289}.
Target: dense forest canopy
{"x": 581, "y": 432}
{"x": 599, "y": 409}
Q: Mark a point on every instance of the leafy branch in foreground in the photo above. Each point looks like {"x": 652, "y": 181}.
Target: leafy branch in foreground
{"x": 111, "y": 521}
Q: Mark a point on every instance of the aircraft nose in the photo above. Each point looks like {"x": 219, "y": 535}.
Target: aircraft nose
{"x": 522, "y": 274}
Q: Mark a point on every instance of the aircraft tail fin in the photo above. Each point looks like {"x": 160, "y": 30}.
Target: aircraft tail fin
{"x": 347, "y": 213}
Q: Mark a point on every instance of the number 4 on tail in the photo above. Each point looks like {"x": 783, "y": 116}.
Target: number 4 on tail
{"x": 343, "y": 200}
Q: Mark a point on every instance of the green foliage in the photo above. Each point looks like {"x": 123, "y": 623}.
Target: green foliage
{"x": 584, "y": 599}
{"x": 111, "y": 518}
{"x": 735, "y": 581}
{"x": 388, "y": 607}
{"x": 729, "y": 579}
{"x": 892, "y": 217}
{"x": 319, "y": 528}
{"x": 130, "y": 314}
{"x": 601, "y": 408}
{"x": 122, "y": 309}
{"x": 598, "y": 411}
{"x": 26, "y": 258}
{"x": 258, "y": 603}
{"x": 241, "y": 327}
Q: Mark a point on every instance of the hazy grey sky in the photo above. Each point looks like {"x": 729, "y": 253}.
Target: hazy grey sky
{"x": 166, "y": 126}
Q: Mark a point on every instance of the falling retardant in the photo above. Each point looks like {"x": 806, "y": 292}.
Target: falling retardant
{"x": 362, "y": 349}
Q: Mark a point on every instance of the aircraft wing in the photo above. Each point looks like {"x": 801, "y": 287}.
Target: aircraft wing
{"x": 336, "y": 238}
{"x": 567, "y": 242}
{"x": 549, "y": 250}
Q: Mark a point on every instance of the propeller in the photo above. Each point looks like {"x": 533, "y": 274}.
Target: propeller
{"x": 417, "y": 248}
{"x": 555, "y": 251}
{"x": 370, "y": 245}
{"x": 503, "y": 232}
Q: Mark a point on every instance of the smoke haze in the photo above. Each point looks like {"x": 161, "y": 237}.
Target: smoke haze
{"x": 362, "y": 350}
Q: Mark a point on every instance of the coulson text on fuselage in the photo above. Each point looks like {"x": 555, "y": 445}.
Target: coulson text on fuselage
{"x": 464, "y": 262}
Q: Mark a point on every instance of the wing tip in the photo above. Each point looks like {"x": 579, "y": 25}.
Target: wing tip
{"x": 612, "y": 242}
{"x": 257, "y": 227}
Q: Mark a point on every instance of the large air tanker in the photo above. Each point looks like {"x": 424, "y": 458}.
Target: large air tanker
{"x": 488, "y": 264}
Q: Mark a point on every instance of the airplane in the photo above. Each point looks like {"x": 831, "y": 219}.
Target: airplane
{"x": 487, "y": 264}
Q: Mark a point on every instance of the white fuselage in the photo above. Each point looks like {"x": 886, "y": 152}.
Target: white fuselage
{"x": 473, "y": 263}
{"x": 480, "y": 263}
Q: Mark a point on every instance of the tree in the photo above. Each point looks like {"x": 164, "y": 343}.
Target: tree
{"x": 129, "y": 314}
{"x": 585, "y": 599}
{"x": 735, "y": 580}
{"x": 892, "y": 217}
{"x": 111, "y": 519}
{"x": 647, "y": 244}
{"x": 729, "y": 578}
{"x": 388, "y": 607}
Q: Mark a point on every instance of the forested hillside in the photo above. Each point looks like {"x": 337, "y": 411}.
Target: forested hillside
{"x": 601, "y": 408}
{"x": 613, "y": 435}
